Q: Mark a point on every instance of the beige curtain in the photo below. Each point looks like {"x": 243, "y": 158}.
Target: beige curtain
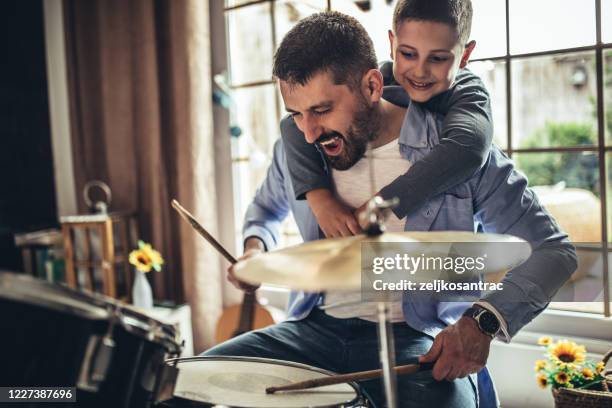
{"x": 140, "y": 90}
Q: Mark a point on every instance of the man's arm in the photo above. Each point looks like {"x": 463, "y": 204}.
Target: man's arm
{"x": 270, "y": 205}
{"x": 505, "y": 205}
{"x": 268, "y": 209}
{"x": 306, "y": 164}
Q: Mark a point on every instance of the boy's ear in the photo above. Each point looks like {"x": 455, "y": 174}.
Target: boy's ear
{"x": 465, "y": 58}
{"x": 391, "y": 41}
{"x": 372, "y": 85}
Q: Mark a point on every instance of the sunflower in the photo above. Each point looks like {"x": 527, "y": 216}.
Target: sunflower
{"x": 140, "y": 260}
{"x": 542, "y": 380}
{"x": 562, "y": 378}
{"x": 155, "y": 257}
{"x": 545, "y": 341}
{"x": 600, "y": 367}
{"x": 540, "y": 365}
{"x": 567, "y": 354}
{"x": 587, "y": 373}
{"x": 146, "y": 258}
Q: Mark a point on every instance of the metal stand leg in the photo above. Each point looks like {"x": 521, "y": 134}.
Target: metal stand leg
{"x": 387, "y": 354}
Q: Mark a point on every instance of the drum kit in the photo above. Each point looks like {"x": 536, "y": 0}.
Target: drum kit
{"x": 117, "y": 356}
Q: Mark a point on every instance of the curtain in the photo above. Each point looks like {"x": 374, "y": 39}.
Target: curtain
{"x": 139, "y": 77}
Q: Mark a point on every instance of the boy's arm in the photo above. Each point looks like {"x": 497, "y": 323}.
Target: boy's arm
{"x": 466, "y": 137}
{"x": 311, "y": 181}
{"x": 305, "y": 162}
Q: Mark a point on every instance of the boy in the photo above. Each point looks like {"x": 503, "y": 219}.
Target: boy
{"x": 430, "y": 48}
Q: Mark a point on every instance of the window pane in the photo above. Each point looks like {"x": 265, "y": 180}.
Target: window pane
{"x": 489, "y": 28}
{"x": 256, "y": 115}
{"x": 493, "y": 75}
{"x": 606, "y": 21}
{"x": 568, "y": 186}
{"x": 250, "y": 43}
{"x": 584, "y": 291}
{"x": 553, "y": 101}
{"x": 289, "y": 12}
{"x": 376, "y": 20}
{"x": 550, "y": 24}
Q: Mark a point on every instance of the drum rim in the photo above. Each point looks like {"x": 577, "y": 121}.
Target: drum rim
{"x": 89, "y": 305}
{"x": 294, "y": 364}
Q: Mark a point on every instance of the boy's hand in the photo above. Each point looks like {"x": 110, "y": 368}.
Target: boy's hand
{"x": 334, "y": 218}
{"x": 252, "y": 247}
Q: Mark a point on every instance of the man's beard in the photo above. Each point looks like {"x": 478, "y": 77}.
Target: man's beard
{"x": 364, "y": 129}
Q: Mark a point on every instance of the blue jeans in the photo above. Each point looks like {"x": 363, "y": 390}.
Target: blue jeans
{"x": 347, "y": 345}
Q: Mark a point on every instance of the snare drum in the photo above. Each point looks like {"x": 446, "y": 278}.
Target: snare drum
{"x": 241, "y": 382}
{"x": 52, "y": 335}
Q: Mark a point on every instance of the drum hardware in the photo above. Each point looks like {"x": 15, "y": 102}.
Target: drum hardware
{"x": 98, "y": 355}
{"x": 111, "y": 352}
{"x": 218, "y": 381}
{"x": 386, "y": 346}
{"x": 335, "y": 264}
{"x": 233, "y": 321}
{"x": 166, "y": 380}
{"x": 377, "y": 211}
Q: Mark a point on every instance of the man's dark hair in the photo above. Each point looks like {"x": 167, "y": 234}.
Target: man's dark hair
{"x": 328, "y": 41}
{"x": 455, "y": 13}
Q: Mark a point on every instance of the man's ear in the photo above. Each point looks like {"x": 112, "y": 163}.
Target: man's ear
{"x": 465, "y": 58}
{"x": 372, "y": 85}
{"x": 391, "y": 41}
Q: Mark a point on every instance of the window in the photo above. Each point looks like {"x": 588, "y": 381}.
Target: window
{"x": 551, "y": 96}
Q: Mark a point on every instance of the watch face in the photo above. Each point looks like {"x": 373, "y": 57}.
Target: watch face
{"x": 488, "y": 322}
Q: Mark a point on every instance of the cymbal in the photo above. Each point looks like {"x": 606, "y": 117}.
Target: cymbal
{"x": 335, "y": 264}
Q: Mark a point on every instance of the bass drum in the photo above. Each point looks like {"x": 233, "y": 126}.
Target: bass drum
{"x": 241, "y": 382}
{"x": 54, "y": 336}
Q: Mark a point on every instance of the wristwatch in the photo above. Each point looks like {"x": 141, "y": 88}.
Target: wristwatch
{"x": 486, "y": 320}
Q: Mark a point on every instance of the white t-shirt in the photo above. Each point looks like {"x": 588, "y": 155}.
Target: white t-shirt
{"x": 353, "y": 188}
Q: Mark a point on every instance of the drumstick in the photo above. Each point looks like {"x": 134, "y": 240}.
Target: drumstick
{"x": 345, "y": 378}
{"x": 196, "y": 225}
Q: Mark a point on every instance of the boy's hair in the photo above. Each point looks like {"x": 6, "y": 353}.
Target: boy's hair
{"x": 455, "y": 13}
{"x": 327, "y": 41}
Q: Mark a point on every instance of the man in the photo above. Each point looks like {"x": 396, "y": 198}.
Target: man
{"x": 340, "y": 97}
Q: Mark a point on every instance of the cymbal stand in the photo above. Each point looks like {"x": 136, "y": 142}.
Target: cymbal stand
{"x": 377, "y": 211}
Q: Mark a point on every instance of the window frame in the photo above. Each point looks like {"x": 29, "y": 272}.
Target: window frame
{"x": 550, "y": 318}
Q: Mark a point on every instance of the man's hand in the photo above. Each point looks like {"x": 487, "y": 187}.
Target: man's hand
{"x": 459, "y": 350}
{"x": 335, "y": 219}
{"x": 252, "y": 247}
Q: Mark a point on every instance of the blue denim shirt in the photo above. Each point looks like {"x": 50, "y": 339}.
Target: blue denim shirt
{"x": 495, "y": 199}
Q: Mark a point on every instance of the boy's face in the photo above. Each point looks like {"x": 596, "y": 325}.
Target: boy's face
{"x": 426, "y": 56}
{"x": 339, "y": 120}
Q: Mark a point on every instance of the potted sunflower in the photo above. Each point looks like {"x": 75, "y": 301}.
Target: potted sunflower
{"x": 144, "y": 259}
{"x": 575, "y": 381}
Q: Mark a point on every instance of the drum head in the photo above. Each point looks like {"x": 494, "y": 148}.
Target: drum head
{"x": 242, "y": 382}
